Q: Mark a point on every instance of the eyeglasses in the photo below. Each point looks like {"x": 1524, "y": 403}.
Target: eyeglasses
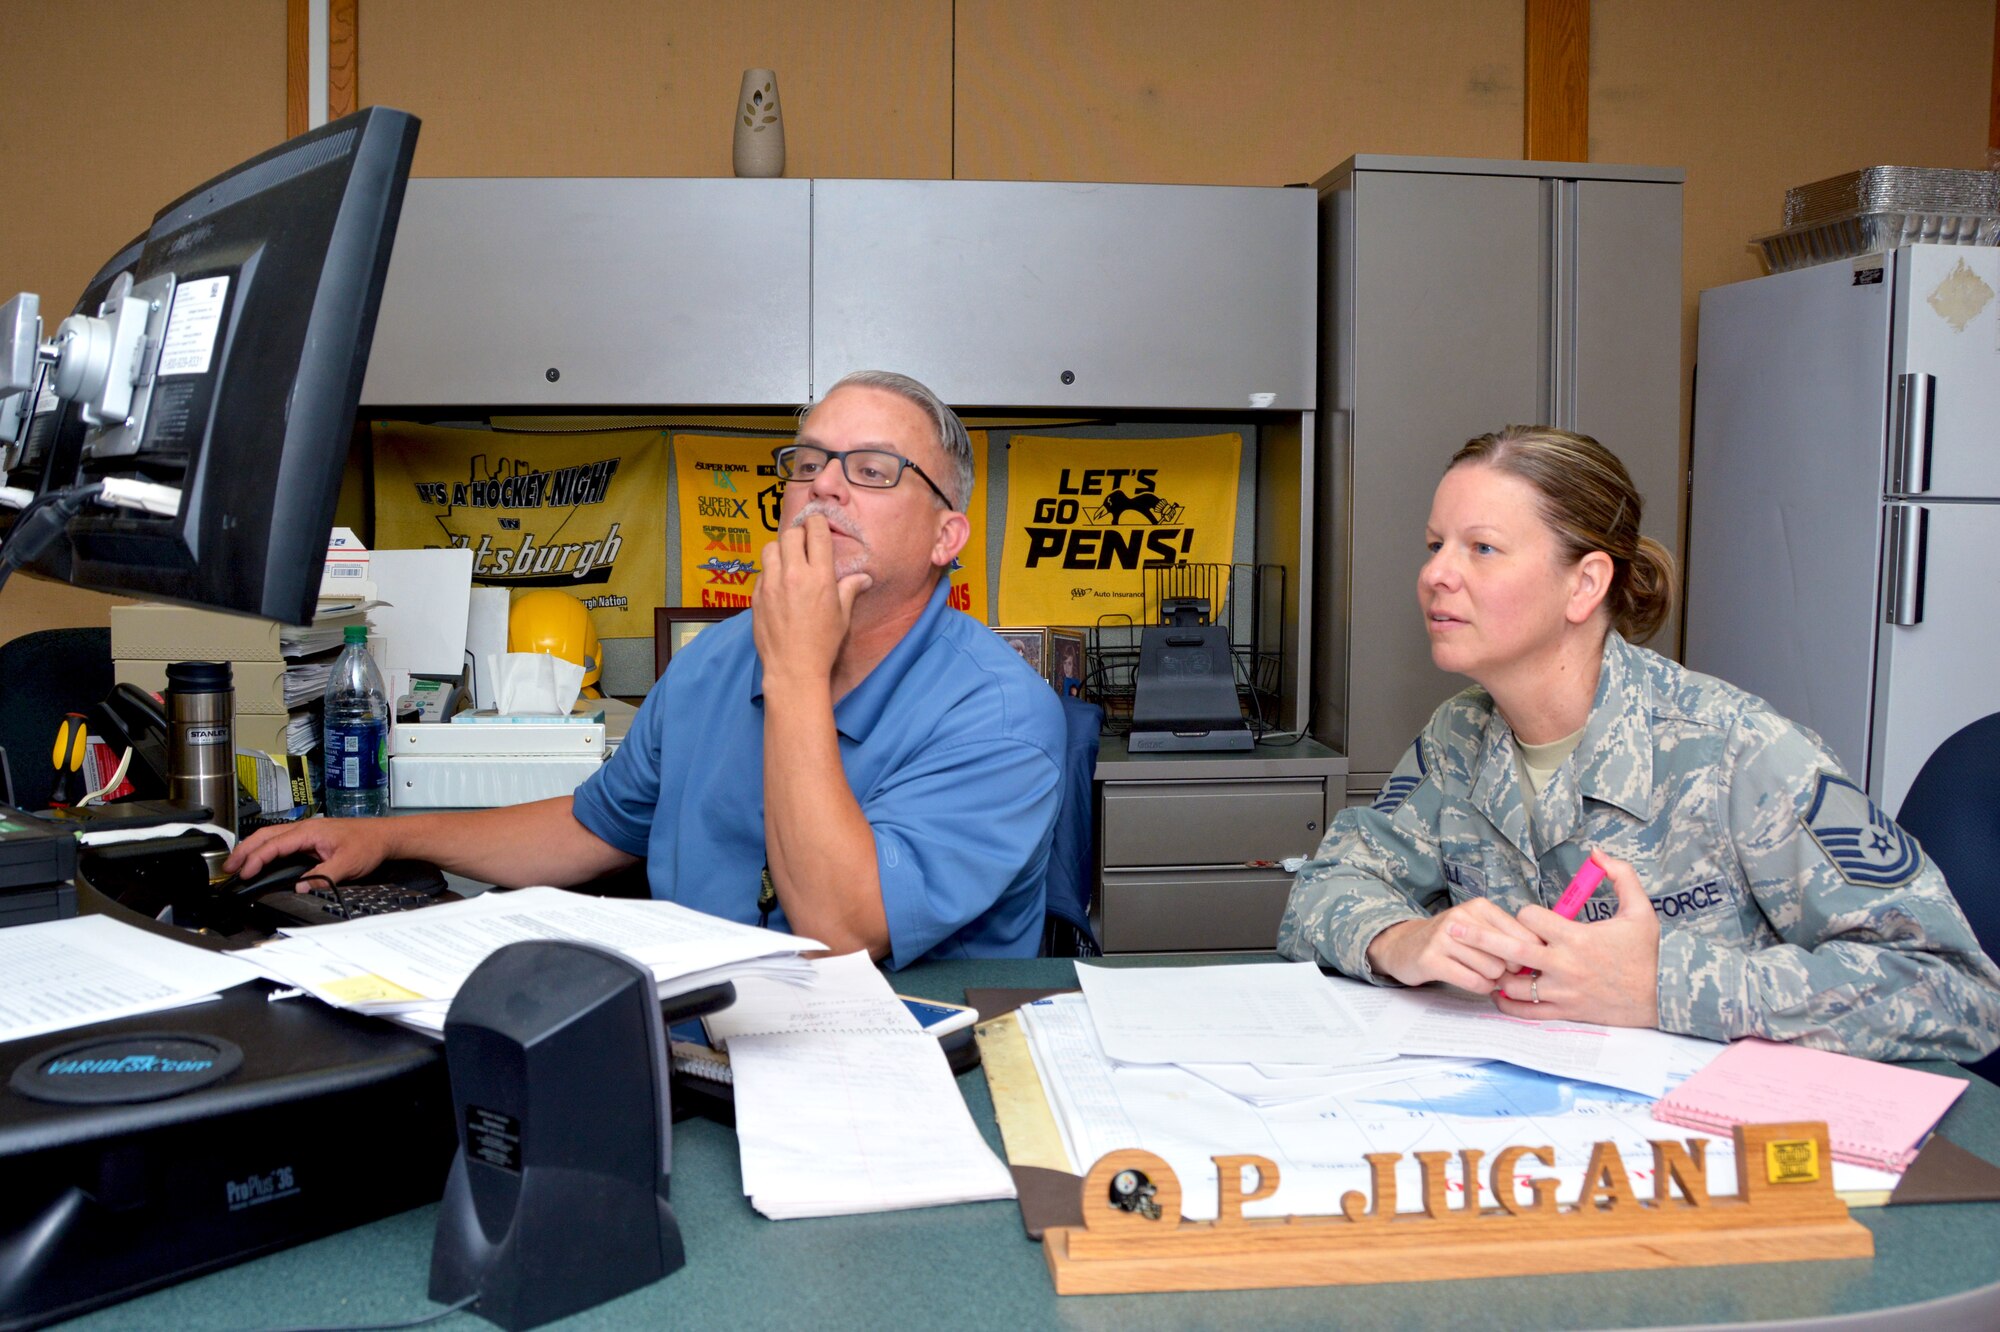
{"x": 871, "y": 469}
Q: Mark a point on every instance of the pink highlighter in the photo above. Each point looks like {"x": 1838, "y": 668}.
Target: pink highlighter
{"x": 1588, "y": 876}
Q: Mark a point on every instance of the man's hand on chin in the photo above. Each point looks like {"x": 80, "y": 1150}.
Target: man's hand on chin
{"x": 801, "y": 610}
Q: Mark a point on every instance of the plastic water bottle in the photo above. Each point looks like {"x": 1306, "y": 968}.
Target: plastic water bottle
{"x": 356, "y": 732}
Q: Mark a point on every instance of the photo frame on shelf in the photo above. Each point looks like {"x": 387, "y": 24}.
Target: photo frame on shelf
{"x": 674, "y": 627}
{"x": 1031, "y": 643}
{"x": 1065, "y": 664}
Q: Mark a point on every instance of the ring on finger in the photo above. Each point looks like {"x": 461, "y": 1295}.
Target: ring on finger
{"x": 1535, "y": 989}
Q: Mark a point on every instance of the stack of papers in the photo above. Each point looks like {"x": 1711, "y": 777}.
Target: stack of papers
{"x": 1425, "y": 1070}
{"x": 61, "y": 974}
{"x": 844, "y": 1104}
{"x": 406, "y": 966}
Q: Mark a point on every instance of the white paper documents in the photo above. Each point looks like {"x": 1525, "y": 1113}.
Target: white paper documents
{"x": 1256, "y": 1012}
{"x": 407, "y": 965}
{"x": 1430, "y": 1021}
{"x": 68, "y": 973}
{"x": 844, "y": 1104}
{"x": 1319, "y": 1145}
{"x": 850, "y": 996}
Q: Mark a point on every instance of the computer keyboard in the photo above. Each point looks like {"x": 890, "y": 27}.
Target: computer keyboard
{"x": 322, "y": 904}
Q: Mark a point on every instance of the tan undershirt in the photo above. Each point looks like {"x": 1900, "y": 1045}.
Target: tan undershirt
{"x": 1535, "y": 764}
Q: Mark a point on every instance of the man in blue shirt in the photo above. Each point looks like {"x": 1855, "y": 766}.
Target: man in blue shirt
{"x": 852, "y": 760}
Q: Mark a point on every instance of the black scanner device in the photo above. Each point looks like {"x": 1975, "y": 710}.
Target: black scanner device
{"x": 557, "y": 1198}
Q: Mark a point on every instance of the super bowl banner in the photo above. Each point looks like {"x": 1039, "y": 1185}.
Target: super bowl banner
{"x": 1088, "y": 519}
{"x": 729, "y": 497}
{"x": 582, "y": 513}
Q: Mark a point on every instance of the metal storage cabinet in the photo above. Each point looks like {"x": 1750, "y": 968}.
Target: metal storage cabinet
{"x": 592, "y": 293}
{"x": 1047, "y": 295}
{"x": 1182, "y": 836}
{"x": 1457, "y": 296}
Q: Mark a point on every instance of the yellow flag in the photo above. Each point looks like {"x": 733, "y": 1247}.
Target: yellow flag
{"x": 729, "y": 497}
{"x": 1088, "y": 520}
{"x": 578, "y": 512}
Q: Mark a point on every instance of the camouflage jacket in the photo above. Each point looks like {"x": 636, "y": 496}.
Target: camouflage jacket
{"x": 1790, "y": 907}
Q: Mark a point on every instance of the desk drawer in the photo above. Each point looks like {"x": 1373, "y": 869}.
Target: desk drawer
{"x": 1212, "y": 823}
{"x": 1192, "y": 910}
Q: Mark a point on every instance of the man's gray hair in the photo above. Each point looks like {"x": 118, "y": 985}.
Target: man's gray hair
{"x": 952, "y": 437}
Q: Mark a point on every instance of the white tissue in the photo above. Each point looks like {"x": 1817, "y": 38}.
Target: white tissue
{"x": 534, "y": 682}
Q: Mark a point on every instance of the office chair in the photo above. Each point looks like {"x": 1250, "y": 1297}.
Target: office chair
{"x": 1953, "y": 809}
{"x": 43, "y": 675}
{"x": 1072, "y": 870}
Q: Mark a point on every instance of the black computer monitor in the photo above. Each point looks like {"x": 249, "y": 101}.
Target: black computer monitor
{"x": 219, "y": 357}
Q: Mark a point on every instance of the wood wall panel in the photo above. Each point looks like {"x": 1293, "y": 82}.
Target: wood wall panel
{"x": 1754, "y": 99}
{"x": 635, "y": 88}
{"x": 1230, "y": 92}
{"x": 88, "y": 158}
{"x": 1557, "y": 103}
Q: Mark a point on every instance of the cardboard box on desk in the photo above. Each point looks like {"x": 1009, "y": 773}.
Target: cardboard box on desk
{"x": 162, "y": 634}
{"x": 259, "y": 685}
{"x": 150, "y": 632}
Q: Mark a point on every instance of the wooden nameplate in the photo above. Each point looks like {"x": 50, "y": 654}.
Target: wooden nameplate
{"x": 1134, "y": 1239}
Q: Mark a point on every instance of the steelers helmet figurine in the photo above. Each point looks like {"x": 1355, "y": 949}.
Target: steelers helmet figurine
{"x": 555, "y": 622}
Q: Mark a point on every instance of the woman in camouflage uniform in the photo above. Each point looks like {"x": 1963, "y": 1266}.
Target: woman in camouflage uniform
{"x": 1753, "y": 889}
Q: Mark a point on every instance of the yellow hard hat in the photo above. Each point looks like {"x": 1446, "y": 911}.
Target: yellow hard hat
{"x": 556, "y": 623}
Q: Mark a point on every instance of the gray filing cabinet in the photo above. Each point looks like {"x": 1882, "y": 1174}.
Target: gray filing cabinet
{"x": 1458, "y": 296}
{"x": 1177, "y": 835}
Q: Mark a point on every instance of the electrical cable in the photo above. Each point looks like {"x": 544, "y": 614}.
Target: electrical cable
{"x": 34, "y": 531}
{"x": 419, "y": 1321}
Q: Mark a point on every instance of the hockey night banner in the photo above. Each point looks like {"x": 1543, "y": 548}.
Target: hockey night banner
{"x": 585, "y": 513}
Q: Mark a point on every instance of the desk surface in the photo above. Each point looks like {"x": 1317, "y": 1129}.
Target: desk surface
{"x": 971, "y": 1266}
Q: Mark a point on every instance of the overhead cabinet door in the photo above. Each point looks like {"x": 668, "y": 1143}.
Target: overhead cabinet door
{"x": 596, "y": 293}
{"x": 1015, "y": 293}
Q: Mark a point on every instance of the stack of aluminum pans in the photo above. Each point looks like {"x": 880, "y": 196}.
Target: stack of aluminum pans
{"x": 1879, "y": 208}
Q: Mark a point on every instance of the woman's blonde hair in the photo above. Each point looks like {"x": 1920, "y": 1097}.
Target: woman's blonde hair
{"x": 1589, "y": 502}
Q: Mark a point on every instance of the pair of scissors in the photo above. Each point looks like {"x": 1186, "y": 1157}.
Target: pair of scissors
{"x": 72, "y": 740}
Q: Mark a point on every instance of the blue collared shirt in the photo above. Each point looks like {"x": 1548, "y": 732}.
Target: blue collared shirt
{"x": 952, "y": 746}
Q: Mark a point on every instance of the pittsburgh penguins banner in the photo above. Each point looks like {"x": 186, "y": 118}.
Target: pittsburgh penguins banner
{"x": 581, "y": 512}
{"x": 729, "y": 496}
{"x": 1088, "y": 519}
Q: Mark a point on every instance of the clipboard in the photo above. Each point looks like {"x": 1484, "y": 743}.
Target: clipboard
{"x": 1050, "y": 1193}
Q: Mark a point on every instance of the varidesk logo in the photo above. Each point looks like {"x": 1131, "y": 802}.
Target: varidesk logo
{"x": 129, "y": 1064}
{"x": 255, "y": 1189}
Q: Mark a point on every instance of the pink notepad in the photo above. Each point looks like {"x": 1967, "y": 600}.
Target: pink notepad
{"x": 1876, "y": 1114}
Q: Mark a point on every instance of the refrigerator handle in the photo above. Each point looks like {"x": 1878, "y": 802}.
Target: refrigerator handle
{"x": 1909, "y": 532}
{"x": 1910, "y": 452}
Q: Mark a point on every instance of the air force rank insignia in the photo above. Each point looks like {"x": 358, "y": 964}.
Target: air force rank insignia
{"x": 1862, "y": 842}
{"x": 1402, "y": 785}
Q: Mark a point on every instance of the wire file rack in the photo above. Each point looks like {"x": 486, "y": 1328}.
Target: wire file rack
{"x": 1248, "y": 599}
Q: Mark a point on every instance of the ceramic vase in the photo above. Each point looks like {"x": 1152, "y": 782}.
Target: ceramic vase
{"x": 760, "y": 126}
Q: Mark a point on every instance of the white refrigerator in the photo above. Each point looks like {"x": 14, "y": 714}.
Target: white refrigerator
{"x": 1843, "y": 551}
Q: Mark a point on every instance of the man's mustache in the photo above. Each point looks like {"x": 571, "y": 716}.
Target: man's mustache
{"x": 835, "y": 519}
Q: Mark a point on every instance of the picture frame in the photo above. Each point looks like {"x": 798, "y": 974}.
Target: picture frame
{"x": 1066, "y": 661}
{"x": 674, "y": 627}
{"x": 1031, "y": 643}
